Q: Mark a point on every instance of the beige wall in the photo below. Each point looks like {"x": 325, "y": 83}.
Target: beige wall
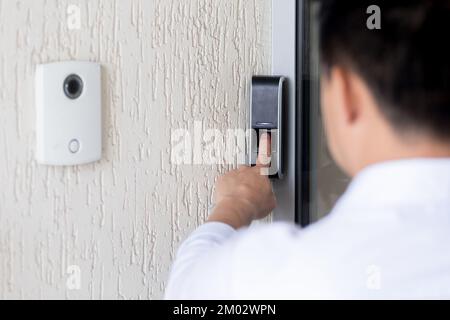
{"x": 166, "y": 64}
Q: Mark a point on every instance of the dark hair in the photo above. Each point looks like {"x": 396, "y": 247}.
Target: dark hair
{"x": 406, "y": 63}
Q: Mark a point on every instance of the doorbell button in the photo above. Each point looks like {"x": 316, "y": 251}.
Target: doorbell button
{"x": 74, "y": 146}
{"x": 68, "y": 105}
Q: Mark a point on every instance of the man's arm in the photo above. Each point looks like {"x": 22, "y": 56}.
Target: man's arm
{"x": 203, "y": 266}
{"x": 201, "y": 269}
{"x": 245, "y": 194}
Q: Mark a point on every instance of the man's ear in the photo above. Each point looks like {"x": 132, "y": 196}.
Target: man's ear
{"x": 346, "y": 91}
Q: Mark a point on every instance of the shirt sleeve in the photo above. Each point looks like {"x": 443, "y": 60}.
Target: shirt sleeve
{"x": 218, "y": 262}
{"x": 201, "y": 268}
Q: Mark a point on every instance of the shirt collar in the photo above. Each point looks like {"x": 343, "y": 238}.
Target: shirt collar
{"x": 421, "y": 181}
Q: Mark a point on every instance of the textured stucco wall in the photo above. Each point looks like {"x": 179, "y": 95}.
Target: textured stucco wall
{"x": 165, "y": 65}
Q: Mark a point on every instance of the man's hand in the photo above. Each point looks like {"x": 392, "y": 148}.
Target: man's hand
{"x": 245, "y": 194}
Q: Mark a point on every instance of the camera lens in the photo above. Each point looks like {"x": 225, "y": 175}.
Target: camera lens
{"x": 73, "y": 86}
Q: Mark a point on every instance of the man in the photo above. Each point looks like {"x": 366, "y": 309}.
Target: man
{"x": 386, "y": 110}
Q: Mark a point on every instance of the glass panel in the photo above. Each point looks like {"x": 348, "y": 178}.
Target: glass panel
{"x": 327, "y": 181}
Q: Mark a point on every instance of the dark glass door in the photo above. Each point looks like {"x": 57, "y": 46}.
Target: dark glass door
{"x": 320, "y": 181}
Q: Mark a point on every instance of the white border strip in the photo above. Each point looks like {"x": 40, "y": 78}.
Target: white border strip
{"x": 283, "y": 64}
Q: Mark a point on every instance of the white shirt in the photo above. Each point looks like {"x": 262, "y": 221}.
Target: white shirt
{"x": 387, "y": 237}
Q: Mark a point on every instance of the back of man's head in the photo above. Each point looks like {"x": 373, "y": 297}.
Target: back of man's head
{"x": 405, "y": 63}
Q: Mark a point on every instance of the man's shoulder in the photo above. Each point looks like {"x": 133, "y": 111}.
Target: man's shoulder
{"x": 340, "y": 255}
{"x": 280, "y": 241}
{"x": 282, "y": 233}
{"x": 280, "y": 259}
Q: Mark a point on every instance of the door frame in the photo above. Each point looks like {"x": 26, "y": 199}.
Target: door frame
{"x": 285, "y": 43}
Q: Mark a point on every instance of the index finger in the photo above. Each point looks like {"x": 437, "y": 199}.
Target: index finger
{"x": 264, "y": 150}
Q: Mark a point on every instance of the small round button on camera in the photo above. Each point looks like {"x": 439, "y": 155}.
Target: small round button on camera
{"x": 74, "y": 146}
{"x": 73, "y": 86}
